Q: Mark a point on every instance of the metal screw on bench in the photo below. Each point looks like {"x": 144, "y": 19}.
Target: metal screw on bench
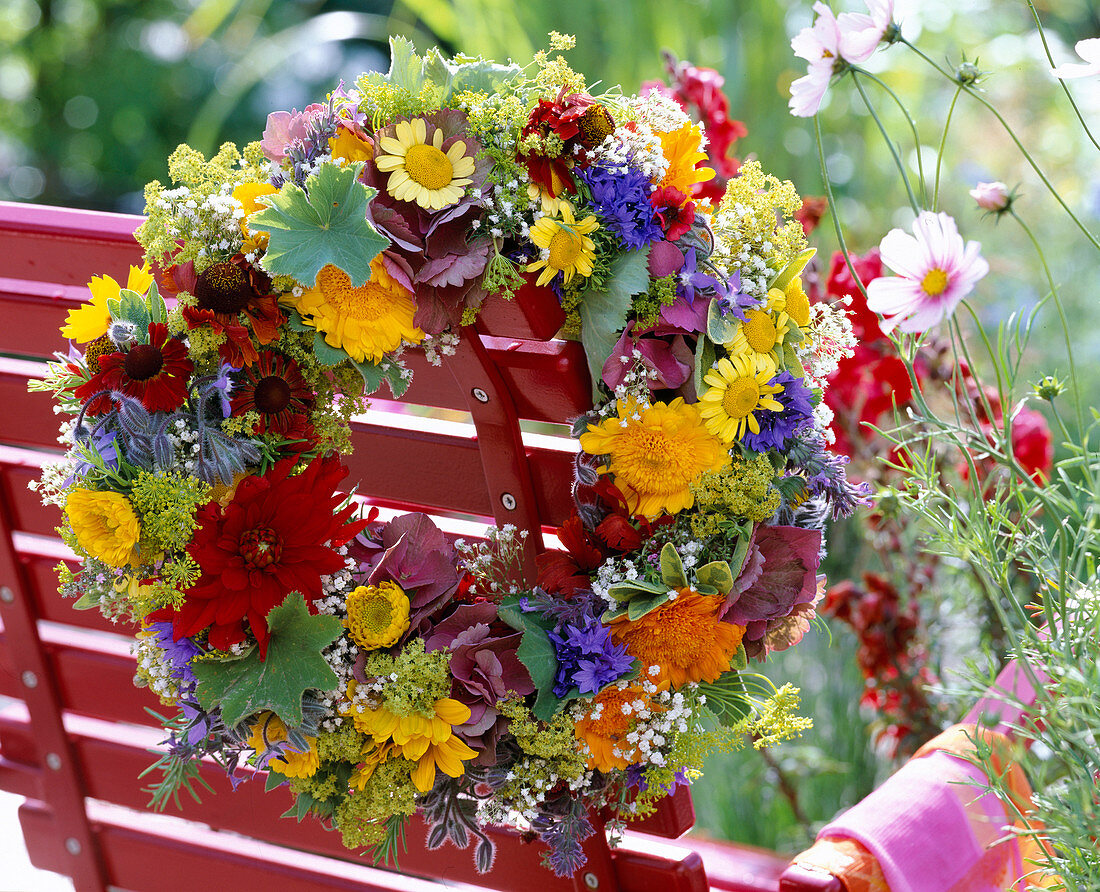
{"x": 480, "y": 395}
{"x": 72, "y": 845}
{"x": 30, "y": 679}
{"x": 591, "y": 881}
{"x": 508, "y": 501}
{"x": 54, "y": 761}
{"x": 6, "y": 594}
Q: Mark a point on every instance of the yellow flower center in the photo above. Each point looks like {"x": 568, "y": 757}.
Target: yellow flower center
{"x": 934, "y": 282}
{"x": 741, "y": 397}
{"x": 428, "y": 166}
{"x": 759, "y": 331}
{"x": 370, "y": 302}
{"x": 564, "y": 248}
{"x": 646, "y": 460}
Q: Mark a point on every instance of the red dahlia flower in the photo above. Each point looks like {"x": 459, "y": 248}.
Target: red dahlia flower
{"x": 155, "y": 373}
{"x": 277, "y": 535}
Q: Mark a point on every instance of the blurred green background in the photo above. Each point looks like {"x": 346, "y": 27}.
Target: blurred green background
{"x": 94, "y": 94}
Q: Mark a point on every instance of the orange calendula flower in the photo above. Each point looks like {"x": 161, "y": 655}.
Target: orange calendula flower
{"x": 348, "y": 147}
{"x": 366, "y": 322}
{"x": 683, "y": 637}
{"x": 681, "y": 150}
{"x": 604, "y": 727}
{"x": 655, "y": 453}
{"x": 105, "y": 525}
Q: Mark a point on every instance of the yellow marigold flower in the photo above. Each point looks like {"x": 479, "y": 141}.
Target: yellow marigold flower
{"x": 348, "y": 147}
{"x": 683, "y": 637}
{"x": 764, "y": 329}
{"x": 421, "y": 171}
{"x": 378, "y": 615}
{"x": 738, "y": 389}
{"x": 268, "y": 730}
{"x": 367, "y": 322}
{"x": 105, "y": 525}
{"x": 681, "y": 150}
{"x": 565, "y": 244}
{"x": 610, "y": 717}
{"x": 427, "y": 740}
{"x": 91, "y": 320}
{"x": 793, "y": 301}
{"x": 656, "y": 453}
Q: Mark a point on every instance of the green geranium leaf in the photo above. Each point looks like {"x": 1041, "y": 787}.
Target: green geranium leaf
{"x": 325, "y": 223}
{"x": 406, "y": 67}
{"x": 294, "y": 664}
{"x": 786, "y": 275}
{"x": 603, "y": 313}
{"x": 386, "y": 371}
{"x": 294, "y": 320}
{"x": 327, "y": 354}
{"x": 717, "y": 574}
{"x": 672, "y": 568}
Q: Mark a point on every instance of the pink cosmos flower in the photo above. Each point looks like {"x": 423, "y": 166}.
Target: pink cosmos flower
{"x": 1089, "y": 50}
{"x": 819, "y": 45}
{"x": 861, "y": 33}
{"x": 936, "y": 270}
{"x": 990, "y": 196}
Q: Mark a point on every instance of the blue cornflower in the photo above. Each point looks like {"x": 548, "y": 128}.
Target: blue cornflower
{"x": 776, "y": 428}
{"x": 587, "y": 658}
{"x": 620, "y": 197}
{"x": 178, "y": 653}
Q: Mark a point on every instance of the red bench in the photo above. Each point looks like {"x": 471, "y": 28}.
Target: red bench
{"x": 75, "y": 734}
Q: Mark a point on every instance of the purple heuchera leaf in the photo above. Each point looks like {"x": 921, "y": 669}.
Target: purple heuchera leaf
{"x": 664, "y": 259}
{"x": 789, "y": 577}
{"x": 656, "y": 355}
{"x": 418, "y": 557}
{"x": 681, "y": 316}
{"x": 484, "y": 667}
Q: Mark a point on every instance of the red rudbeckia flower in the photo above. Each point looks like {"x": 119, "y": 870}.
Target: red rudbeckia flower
{"x": 274, "y": 388}
{"x": 277, "y": 535}
{"x": 155, "y": 373}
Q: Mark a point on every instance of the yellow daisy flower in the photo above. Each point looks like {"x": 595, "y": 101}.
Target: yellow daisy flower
{"x": 429, "y": 741}
{"x": 738, "y": 388}
{"x": 378, "y": 615}
{"x": 793, "y": 301}
{"x": 763, "y": 330}
{"x": 91, "y": 320}
{"x": 549, "y": 205}
{"x": 105, "y": 525}
{"x": 565, "y": 244}
{"x": 367, "y": 322}
{"x": 656, "y": 453}
{"x": 681, "y": 150}
{"x": 421, "y": 171}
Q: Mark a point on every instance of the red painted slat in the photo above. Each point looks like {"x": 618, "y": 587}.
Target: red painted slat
{"x": 532, "y": 312}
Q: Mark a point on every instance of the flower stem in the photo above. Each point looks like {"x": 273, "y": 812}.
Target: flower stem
{"x": 912, "y": 126}
{"x": 1012, "y": 134}
{"x": 889, "y": 144}
{"x": 835, "y": 211}
{"x": 943, "y": 144}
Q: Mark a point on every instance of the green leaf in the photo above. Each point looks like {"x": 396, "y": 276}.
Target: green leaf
{"x": 387, "y": 371}
{"x": 727, "y": 698}
{"x": 740, "y": 554}
{"x": 294, "y": 320}
{"x": 672, "y": 568}
{"x": 705, "y": 357}
{"x": 624, "y": 591}
{"x": 273, "y": 780}
{"x": 603, "y": 313}
{"x": 327, "y": 354}
{"x": 740, "y": 659}
{"x": 537, "y": 653}
{"x": 720, "y": 329}
{"x": 639, "y": 607}
{"x": 326, "y": 223}
{"x": 786, "y": 275}
{"x": 131, "y": 307}
{"x": 157, "y": 310}
{"x": 406, "y": 67}
{"x": 88, "y": 601}
{"x": 294, "y": 665}
{"x": 716, "y": 573}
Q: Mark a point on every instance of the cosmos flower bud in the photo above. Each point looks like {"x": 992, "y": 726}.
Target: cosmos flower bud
{"x": 993, "y": 197}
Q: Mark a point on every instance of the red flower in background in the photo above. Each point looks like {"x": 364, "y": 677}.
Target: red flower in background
{"x": 260, "y": 547}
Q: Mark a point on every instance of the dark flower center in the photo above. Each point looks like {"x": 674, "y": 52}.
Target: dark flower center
{"x": 143, "y": 361}
{"x": 596, "y": 124}
{"x": 272, "y": 395}
{"x": 223, "y": 288}
{"x": 101, "y": 346}
{"x": 260, "y": 547}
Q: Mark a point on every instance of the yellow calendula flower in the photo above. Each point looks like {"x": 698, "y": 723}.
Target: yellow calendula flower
{"x": 739, "y": 387}
{"x": 655, "y": 453}
{"x": 565, "y": 244}
{"x": 420, "y": 170}
{"x": 681, "y": 150}
{"x": 268, "y": 730}
{"x": 378, "y": 615}
{"x": 347, "y": 147}
{"x": 248, "y": 194}
{"x": 429, "y": 741}
{"x": 367, "y": 322}
{"x": 91, "y": 320}
{"x": 105, "y": 525}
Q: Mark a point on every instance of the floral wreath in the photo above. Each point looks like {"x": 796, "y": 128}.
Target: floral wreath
{"x": 374, "y": 668}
